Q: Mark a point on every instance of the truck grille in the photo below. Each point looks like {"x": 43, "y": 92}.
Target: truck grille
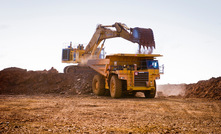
{"x": 140, "y": 79}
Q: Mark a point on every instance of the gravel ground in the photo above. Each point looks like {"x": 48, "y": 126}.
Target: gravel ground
{"x": 92, "y": 114}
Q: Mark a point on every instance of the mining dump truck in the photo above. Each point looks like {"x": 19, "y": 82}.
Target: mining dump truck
{"x": 118, "y": 73}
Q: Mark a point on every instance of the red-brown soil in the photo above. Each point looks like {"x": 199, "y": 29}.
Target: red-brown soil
{"x": 20, "y": 81}
{"x": 53, "y": 102}
{"x": 205, "y": 89}
{"x": 88, "y": 114}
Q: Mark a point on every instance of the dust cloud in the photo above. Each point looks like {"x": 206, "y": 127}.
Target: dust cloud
{"x": 171, "y": 90}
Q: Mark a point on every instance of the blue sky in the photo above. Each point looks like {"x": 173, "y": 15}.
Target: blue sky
{"x": 187, "y": 33}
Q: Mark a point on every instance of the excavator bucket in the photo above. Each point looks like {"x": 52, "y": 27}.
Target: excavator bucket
{"x": 144, "y": 37}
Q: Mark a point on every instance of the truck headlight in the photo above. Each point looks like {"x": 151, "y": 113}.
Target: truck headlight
{"x": 151, "y": 83}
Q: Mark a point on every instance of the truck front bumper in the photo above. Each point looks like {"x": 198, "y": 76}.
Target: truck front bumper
{"x": 140, "y": 88}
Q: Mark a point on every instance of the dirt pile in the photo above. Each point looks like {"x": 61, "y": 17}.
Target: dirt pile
{"x": 20, "y": 81}
{"x": 205, "y": 89}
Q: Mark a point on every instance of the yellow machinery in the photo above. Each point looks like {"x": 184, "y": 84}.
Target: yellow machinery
{"x": 119, "y": 73}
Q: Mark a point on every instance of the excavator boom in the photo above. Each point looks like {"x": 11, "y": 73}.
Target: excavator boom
{"x": 144, "y": 37}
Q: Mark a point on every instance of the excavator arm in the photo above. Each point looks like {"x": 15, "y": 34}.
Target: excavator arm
{"x": 144, "y": 37}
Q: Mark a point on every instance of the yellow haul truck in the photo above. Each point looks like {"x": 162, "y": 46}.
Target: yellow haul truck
{"x": 118, "y": 73}
{"x": 126, "y": 73}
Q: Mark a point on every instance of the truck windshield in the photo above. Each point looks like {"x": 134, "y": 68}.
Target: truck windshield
{"x": 152, "y": 64}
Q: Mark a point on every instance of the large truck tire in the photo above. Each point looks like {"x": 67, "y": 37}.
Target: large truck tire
{"x": 151, "y": 93}
{"x": 115, "y": 87}
{"x": 98, "y": 85}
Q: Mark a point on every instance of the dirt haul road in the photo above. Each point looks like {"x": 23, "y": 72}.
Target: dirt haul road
{"x": 92, "y": 114}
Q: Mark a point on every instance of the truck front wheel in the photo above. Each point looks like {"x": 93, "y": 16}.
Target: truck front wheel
{"x": 115, "y": 87}
{"x": 98, "y": 85}
{"x": 151, "y": 93}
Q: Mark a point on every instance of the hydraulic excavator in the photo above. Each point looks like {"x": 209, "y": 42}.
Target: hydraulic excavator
{"x": 118, "y": 73}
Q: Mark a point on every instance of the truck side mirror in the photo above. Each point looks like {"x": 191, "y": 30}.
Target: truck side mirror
{"x": 161, "y": 69}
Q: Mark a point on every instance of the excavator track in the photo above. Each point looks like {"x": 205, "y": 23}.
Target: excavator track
{"x": 74, "y": 69}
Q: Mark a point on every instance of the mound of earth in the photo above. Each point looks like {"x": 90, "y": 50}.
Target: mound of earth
{"x": 20, "y": 81}
{"x": 205, "y": 89}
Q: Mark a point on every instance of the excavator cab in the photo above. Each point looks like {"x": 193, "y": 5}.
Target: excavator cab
{"x": 72, "y": 55}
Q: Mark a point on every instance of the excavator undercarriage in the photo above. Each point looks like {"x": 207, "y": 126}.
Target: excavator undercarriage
{"x": 74, "y": 69}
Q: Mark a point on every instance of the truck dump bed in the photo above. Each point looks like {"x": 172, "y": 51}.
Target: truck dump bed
{"x": 101, "y": 65}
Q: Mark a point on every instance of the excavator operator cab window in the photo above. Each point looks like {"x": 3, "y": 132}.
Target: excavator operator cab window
{"x": 152, "y": 64}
